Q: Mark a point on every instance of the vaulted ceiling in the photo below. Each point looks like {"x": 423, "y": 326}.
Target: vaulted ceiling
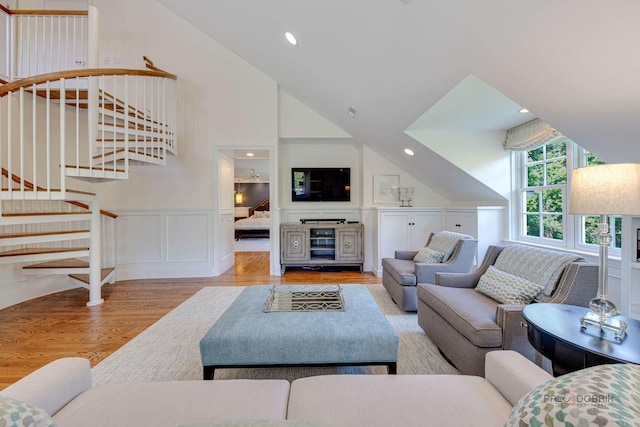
{"x": 573, "y": 63}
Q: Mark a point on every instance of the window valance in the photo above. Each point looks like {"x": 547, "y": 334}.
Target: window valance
{"x": 532, "y": 134}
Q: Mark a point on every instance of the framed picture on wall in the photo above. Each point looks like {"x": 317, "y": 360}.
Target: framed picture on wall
{"x": 385, "y": 189}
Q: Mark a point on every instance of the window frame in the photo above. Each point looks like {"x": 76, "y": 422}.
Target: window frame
{"x": 572, "y": 225}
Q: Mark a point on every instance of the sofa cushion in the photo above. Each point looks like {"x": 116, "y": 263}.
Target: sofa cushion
{"x": 428, "y": 256}
{"x": 445, "y": 242}
{"x": 469, "y": 312}
{"x": 397, "y": 400}
{"x": 605, "y": 394}
{"x": 507, "y": 288}
{"x": 172, "y": 403}
{"x": 17, "y": 413}
{"x": 403, "y": 271}
{"x": 542, "y": 266}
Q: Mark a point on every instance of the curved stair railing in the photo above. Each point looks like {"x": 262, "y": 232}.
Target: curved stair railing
{"x": 62, "y": 117}
{"x": 87, "y": 124}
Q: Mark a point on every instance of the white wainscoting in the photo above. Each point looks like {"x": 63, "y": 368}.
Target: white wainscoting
{"x": 164, "y": 243}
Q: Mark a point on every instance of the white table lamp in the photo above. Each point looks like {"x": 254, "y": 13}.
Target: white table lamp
{"x": 604, "y": 190}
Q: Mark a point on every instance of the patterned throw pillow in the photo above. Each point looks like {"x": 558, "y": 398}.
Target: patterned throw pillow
{"x": 601, "y": 395}
{"x": 507, "y": 288}
{"x": 445, "y": 242}
{"x": 428, "y": 256}
{"x": 14, "y": 413}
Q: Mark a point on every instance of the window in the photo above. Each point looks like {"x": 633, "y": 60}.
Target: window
{"x": 543, "y": 196}
{"x": 544, "y": 191}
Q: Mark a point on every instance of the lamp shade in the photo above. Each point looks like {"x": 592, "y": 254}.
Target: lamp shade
{"x": 612, "y": 189}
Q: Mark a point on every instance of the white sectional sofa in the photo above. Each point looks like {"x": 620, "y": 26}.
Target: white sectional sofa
{"x": 63, "y": 389}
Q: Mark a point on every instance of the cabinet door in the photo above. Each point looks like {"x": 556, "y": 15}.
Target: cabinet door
{"x": 349, "y": 245}
{"x": 294, "y": 245}
{"x": 394, "y": 233}
{"x": 421, "y": 225}
{"x": 461, "y": 222}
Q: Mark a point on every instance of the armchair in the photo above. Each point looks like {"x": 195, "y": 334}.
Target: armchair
{"x": 465, "y": 324}
{"x": 401, "y": 274}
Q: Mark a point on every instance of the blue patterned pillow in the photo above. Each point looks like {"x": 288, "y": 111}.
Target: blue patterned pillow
{"x": 507, "y": 288}
{"x": 14, "y": 413}
{"x": 428, "y": 256}
{"x": 598, "y": 396}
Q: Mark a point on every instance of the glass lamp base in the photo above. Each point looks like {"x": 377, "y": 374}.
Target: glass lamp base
{"x": 618, "y": 327}
{"x": 603, "y": 307}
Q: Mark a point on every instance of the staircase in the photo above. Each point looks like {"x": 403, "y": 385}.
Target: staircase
{"x": 62, "y": 134}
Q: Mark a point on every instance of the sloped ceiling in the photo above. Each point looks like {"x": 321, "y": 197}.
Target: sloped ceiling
{"x": 573, "y": 63}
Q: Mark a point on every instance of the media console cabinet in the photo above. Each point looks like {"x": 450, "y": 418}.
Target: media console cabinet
{"x": 315, "y": 243}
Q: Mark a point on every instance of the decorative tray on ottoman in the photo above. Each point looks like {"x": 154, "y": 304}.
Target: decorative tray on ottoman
{"x": 304, "y": 298}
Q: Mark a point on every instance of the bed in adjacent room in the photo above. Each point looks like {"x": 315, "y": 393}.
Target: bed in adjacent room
{"x": 257, "y": 224}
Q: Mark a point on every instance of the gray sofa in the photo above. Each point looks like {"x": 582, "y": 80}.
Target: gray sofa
{"x": 401, "y": 274}
{"x": 466, "y": 324}
{"x": 63, "y": 389}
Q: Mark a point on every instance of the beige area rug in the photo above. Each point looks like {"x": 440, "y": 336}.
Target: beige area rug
{"x": 169, "y": 349}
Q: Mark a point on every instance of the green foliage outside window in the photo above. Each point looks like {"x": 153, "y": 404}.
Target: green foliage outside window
{"x": 546, "y": 180}
{"x": 546, "y": 168}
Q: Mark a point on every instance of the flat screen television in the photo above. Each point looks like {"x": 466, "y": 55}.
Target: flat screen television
{"x": 320, "y": 184}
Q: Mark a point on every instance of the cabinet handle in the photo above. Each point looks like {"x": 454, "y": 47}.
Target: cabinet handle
{"x": 458, "y": 225}
{"x": 347, "y": 243}
{"x": 296, "y": 243}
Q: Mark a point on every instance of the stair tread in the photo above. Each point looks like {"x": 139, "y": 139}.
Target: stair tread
{"x": 104, "y": 272}
{"x": 39, "y": 251}
{"x": 44, "y": 233}
{"x": 61, "y": 263}
{"x": 53, "y": 190}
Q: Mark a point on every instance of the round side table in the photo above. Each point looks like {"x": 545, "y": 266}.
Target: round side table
{"x": 555, "y": 331}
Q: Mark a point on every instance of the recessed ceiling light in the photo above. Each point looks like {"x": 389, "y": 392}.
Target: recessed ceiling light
{"x": 524, "y": 110}
{"x": 249, "y": 154}
{"x": 409, "y": 151}
{"x": 291, "y": 38}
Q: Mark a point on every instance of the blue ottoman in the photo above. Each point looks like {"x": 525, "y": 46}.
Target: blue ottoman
{"x": 246, "y": 336}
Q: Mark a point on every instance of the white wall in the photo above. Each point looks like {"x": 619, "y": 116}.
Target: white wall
{"x": 480, "y": 154}
{"x": 374, "y": 164}
{"x": 222, "y": 101}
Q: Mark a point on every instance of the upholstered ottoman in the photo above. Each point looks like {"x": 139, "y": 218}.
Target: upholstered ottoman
{"x": 246, "y": 336}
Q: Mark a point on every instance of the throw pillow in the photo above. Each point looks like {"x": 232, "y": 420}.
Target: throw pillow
{"x": 507, "y": 288}
{"x": 16, "y": 413}
{"x": 445, "y": 242}
{"x": 428, "y": 256}
{"x": 538, "y": 265}
{"x": 601, "y": 395}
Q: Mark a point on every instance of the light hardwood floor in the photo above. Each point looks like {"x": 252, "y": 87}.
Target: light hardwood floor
{"x": 60, "y": 325}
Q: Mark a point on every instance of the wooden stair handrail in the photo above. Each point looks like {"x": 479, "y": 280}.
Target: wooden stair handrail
{"x": 149, "y": 64}
{"x": 86, "y": 72}
{"x": 43, "y": 12}
{"x": 15, "y": 178}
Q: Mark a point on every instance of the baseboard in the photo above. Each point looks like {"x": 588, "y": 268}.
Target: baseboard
{"x": 33, "y": 287}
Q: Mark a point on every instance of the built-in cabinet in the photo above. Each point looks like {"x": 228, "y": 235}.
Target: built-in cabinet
{"x": 318, "y": 244}
{"x": 406, "y": 229}
{"x": 403, "y": 229}
{"x": 485, "y": 223}
{"x": 409, "y": 228}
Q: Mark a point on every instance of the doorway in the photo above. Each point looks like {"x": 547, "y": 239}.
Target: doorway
{"x": 252, "y": 214}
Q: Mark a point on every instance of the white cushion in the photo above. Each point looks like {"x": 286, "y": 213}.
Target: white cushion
{"x": 397, "y": 400}
{"x": 428, "y": 256}
{"x": 507, "y": 288}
